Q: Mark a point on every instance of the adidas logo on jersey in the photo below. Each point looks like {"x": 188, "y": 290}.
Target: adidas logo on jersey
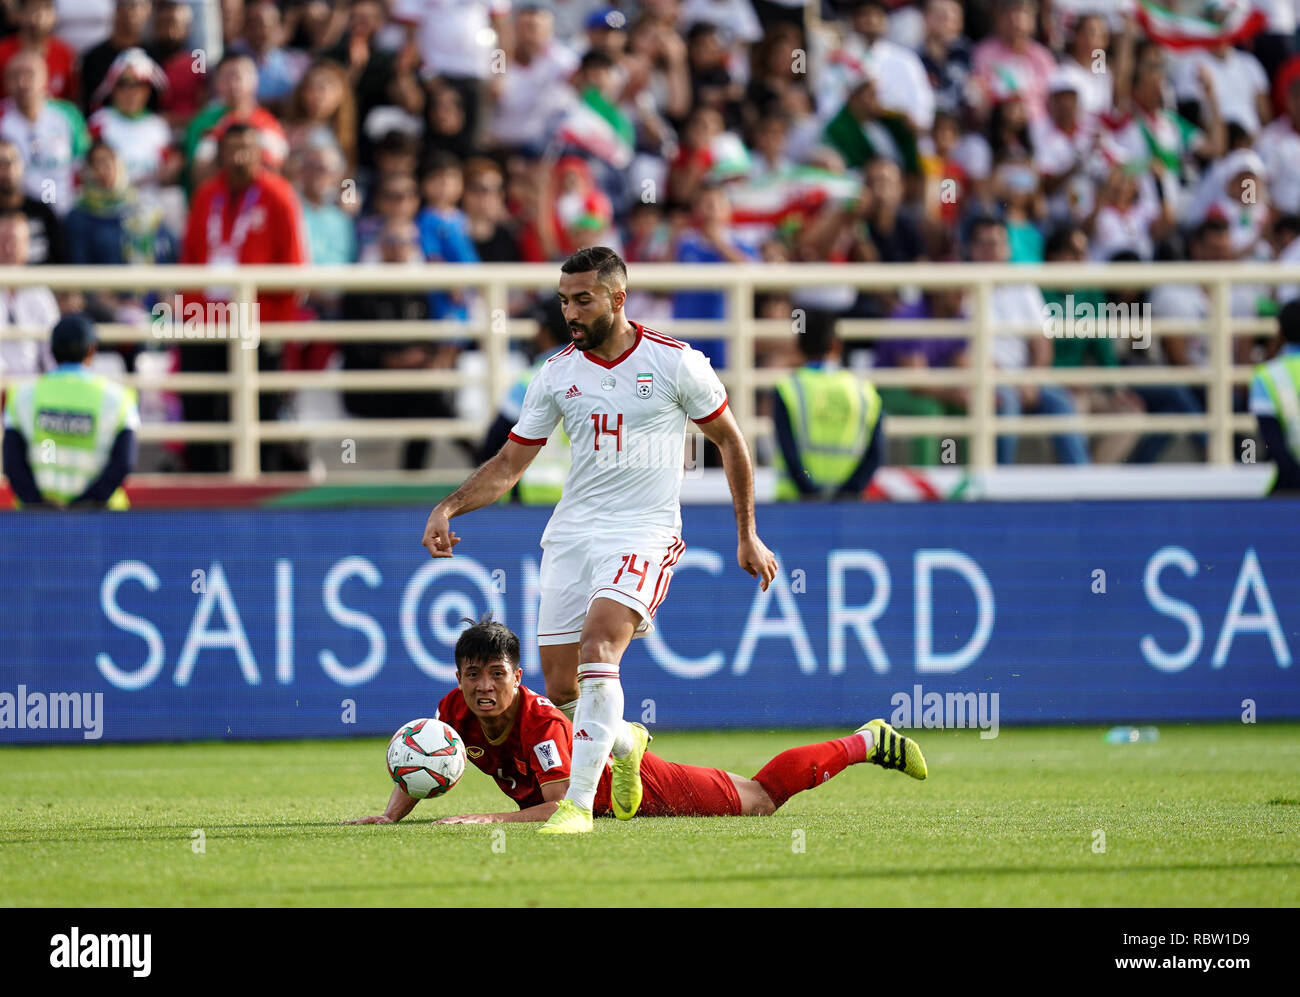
{"x": 581, "y": 735}
{"x": 573, "y": 392}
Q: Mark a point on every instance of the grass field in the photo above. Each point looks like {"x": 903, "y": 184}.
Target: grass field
{"x": 1209, "y": 815}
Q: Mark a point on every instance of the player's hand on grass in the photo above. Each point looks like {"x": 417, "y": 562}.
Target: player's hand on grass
{"x": 469, "y": 819}
{"x": 376, "y": 819}
{"x": 438, "y": 537}
{"x": 757, "y": 560}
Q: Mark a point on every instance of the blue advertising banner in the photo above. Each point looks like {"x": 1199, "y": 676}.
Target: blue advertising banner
{"x": 264, "y": 624}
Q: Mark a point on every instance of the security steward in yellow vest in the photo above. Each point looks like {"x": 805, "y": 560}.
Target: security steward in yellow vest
{"x": 828, "y": 422}
{"x": 1275, "y": 402}
{"x": 70, "y": 435}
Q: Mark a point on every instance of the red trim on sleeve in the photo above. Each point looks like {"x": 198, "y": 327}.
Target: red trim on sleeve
{"x": 712, "y": 415}
{"x": 532, "y": 443}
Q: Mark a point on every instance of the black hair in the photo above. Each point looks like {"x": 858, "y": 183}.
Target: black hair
{"x": 611, "y": 271}
{"x": 1213, "y": 224}
{"x": 237, "y": 129}
{"x": 1287, "y": 223}
{"x": 1288, "y": 321}
{"x": 818, "y": 336}
{"x": 1059, "y": 238}
{"x": 595, "y": 59}
{"x": 487, "y": 641}
{"x": 437, "y": 161}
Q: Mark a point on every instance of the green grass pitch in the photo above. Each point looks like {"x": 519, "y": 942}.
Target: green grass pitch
{"x": 1209, "y": 815}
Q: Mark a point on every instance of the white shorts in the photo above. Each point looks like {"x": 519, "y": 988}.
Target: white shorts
{"x": 634, "y": 569}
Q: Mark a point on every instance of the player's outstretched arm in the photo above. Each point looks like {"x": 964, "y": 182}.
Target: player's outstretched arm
{"x": 493, "y": 479}
{"x": 552, "y": 792}
{"x": 399, "y": 805}
{"x": 751, "y": 552}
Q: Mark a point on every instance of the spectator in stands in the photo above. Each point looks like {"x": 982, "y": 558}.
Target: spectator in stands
{"x": 447, "y": 122}
{"x": 244, "y": 214}
{"x": 945, "y": 54}
{"x": 1068, "y": 243}
{"x": 444, "y": 229}
{"x": 130, "y": 18}
{"x": 49, "y": 134}
{"x": 1279, "y": 148}
{"x": 141, "y": 139}
{"x": 331, "y": 232}
{"x": 321, "y": 111}
{"x": 1011, "y": 61}
{"x": 1015, "y": 185}
{"x": 902, "y": 84}
{"x": 30, "y": 307}
{"x": 862, "y": 130}
{"x": 455, "y": 39}
{"x": 662, "y": 52}
{"x": 114, "y": 222}
{"x": 1065, "y": 143}
{"x": 83, "y": 23}
{"x": 279, "y": 69}
{"x": 36, "y": 22}
{"x": 709, "y": 239}
{"x": 1022, "y": 305}
{"x": 1086, "y": 65}
{"x": 925, "y": 354}
{"x": 1124, "y": 220}
{"x": 532, "y": 90}
{"x": 45, "y": 231}
{"x": 1275, "y": 402}
{"x": 398, "y": 244}
{"x": 712, "y": 82}
{"x": 184, "y": 68}
{"x": 235, "y": 87}
{"x": 1234, "y": 78}
{"x": 396, "y": 197}
{"x": 385, "y": 89}
{"x": 488, "y": 223}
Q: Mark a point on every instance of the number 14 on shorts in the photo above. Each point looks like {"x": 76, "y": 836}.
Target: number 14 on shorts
{"x": 629, "y": 565}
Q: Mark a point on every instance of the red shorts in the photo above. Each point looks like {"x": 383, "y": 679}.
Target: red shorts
{"x": 673, "y": 790}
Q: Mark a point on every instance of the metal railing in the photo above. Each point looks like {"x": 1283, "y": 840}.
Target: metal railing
{"x": 493, "y": 331}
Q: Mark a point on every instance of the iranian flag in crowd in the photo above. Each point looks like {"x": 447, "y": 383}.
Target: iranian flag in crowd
{"x": 790, "y": 194}
{"x": 599, "y": 128}
{"x": 1184, "y": 24}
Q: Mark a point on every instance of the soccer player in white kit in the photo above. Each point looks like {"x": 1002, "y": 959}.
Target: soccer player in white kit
{"x": 624, "y": 393}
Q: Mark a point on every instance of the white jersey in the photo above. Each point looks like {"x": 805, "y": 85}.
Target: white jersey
{"x": 626, "y": 419}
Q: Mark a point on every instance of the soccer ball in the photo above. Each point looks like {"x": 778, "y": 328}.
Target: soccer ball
{"x": 426, "y": 758}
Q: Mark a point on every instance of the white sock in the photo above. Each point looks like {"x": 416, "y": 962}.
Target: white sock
{"x": 599, "y": 714}
{"x": 870, "y": 739}
{"x": 622, "y": 735}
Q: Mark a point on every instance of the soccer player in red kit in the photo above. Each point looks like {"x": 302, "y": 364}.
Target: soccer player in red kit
{"x": 624, "y": 393}
{"x": 522, "y": 741}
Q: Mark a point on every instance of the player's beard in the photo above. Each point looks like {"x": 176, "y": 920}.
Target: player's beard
{"x": 595, "y": 334}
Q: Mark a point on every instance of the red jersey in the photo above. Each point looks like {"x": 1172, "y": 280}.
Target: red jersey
{"x": 537, "y": 751}
{"x": 262, "y": 225}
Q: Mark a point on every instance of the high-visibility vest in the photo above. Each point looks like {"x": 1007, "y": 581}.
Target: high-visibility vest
{"x": 1281, "y": 376}
{"x": 542, "y": 482}
{"x": 70, "y": 418}
{"x": 833, "y": 415}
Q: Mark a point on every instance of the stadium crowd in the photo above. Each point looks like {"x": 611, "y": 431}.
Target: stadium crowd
{"x": 697, "y": 131}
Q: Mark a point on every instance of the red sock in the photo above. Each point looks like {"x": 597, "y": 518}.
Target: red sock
{"x": 803, "y": 768}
